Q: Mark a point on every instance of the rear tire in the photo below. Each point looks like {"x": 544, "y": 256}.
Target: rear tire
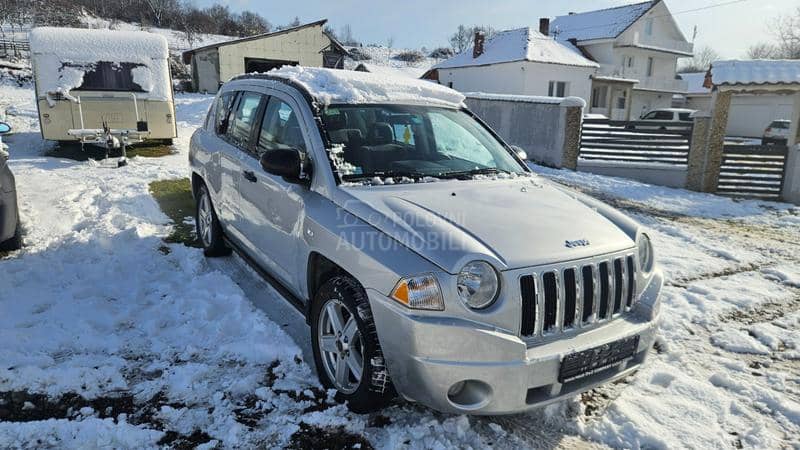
{"x": 15, "y": 243}
{"x": 354, "y": 338}
{"x": 209, "y": 230}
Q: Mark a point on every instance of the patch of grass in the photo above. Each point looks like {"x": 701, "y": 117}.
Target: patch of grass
{"x": 75, "y": 152}
{"x": 175, "y": 199}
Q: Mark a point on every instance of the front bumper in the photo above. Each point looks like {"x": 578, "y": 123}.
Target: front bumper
{"x": 427, "y": 355}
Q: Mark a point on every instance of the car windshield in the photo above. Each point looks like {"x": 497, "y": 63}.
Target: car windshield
{"x": 391, "y": 141}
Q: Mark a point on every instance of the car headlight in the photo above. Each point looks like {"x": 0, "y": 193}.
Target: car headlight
{"x": 478, "y": 284}
{"x": 645, "y": 253}
{"x": 419, "y": 292}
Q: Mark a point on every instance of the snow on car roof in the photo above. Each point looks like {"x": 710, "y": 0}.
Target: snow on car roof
{"x": 600, "y": 24}
{"x": 331, "y": 86}
{"x": 522, "y": 44}
{"x": 89, "y": 46}
{"x": 755, "y": 72}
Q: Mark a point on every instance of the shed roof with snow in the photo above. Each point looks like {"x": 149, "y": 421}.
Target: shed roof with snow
{"x": 606, "y": 23}
{"x": 754, "y": 72}
{"x": 522, "y": 44}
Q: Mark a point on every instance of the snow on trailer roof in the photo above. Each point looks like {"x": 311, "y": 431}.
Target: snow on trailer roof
{"x": 600, "y": 24}
{"x": 755, "y": 72}
{"x": 522, "y": 44}
{"x": 88, "y": 46}
{"x": 332, "y": 86}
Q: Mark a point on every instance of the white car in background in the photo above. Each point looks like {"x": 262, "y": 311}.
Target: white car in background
{"x": 776, "y": 133}
{"x": 661, "y": 119}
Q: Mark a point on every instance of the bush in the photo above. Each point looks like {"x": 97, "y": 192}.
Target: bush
{"x": 357, "y": 54}
{"x": 411, "y": 56}
{"x": 442, "y": 53}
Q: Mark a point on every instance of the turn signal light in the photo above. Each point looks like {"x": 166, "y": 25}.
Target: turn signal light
{"x": 419, "y": 292}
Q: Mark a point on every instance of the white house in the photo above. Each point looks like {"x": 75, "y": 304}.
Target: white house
{"x": 748, "y": 115}
{"x": 637, "y": 47}
{"x": 522, "y": 61}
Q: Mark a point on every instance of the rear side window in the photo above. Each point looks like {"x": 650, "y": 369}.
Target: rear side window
{"x": 663, "y": 115}
{"x": 222, "y": 112}
{"x": 280, "y": 128}
{"x": 241, "y": 122}
{"x": 685, "y": 116}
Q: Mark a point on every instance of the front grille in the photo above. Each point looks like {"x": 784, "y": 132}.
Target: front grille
{"x": 567, "y": 297}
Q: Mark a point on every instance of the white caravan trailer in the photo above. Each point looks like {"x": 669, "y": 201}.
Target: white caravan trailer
{"x": 102, "y": 87}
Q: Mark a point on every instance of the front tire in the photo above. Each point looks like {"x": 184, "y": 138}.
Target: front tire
{"x": 15, "y": 243}
{"x": 347, "y": 353}
{"x": 209, "y": 230}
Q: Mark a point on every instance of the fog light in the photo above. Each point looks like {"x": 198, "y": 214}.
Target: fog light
{"x": 469, "y": 395}
{"x": 455, "y": 389}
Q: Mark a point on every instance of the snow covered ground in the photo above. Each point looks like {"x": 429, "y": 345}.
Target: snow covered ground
{"x": 114, "y": 338}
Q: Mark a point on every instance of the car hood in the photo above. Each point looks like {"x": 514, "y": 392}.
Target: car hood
{"x": 511, "y": 223}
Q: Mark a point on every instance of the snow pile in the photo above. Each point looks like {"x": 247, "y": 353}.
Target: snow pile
{"x": 61, "y": 57}
{"x": 755, "y": 72}
{"x": 387, "y": 57}
{"x": 600, "y": 24}
{"x": 331, "y": 86}
{"x": 523, "y": 44}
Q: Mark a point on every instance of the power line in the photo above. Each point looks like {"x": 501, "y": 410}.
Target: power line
{"x": 703, "y": 8}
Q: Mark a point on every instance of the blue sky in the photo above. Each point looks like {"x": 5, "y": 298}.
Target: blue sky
{"x": 729, "y": 29}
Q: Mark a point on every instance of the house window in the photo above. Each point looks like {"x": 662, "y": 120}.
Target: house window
{"x": 557, "y": 89}
{"x": 648, "y": 27}
{"x": 599, "y": 95}
{"x": 650, "y": 67}
{"x": 622, "y": 99}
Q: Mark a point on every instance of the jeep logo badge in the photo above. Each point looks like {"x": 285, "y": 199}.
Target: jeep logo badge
{"x": 577, "y": 243}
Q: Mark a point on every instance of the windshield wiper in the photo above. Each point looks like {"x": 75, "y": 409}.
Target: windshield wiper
{"x": 383, "y": 174}
{"x": 472, "y": 172}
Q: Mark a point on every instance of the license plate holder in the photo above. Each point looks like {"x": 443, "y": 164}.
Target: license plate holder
{"x": 587, "y": 362}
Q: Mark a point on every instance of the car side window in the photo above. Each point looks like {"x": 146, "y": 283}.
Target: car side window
{"x": 222, "y": 112}
{"x": 685, "y": 116}
{"x": 280, "y": 128}
{"x": 241, "y": 122}
{"x": 663, "y": 115}
{"x": 649, "y": 116}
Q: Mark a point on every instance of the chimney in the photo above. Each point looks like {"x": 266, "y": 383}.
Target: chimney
{"x": 477, "y": 49}
{"x": 544, "y": 26}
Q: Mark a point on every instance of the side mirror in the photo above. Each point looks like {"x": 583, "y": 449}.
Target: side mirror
{"x": 285, "y": 162}
{"x": 521, "y": 154}
{"x": 4, "y": 128}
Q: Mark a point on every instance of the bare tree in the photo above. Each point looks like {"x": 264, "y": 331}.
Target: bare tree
{"x": 702, "y": 59}
{"x": 762, "y": 50}
{"x": 251, "y": 24}
{"x": 786, "y": 29}
{"x": 159, "y": 9}
{"x": 390, "y": 42}
{"x": 464, "y": 36}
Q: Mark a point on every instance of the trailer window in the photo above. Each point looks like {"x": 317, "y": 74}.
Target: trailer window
{"x": 110, "y": 76}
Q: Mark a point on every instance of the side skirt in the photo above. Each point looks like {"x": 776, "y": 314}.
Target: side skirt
{"x": 293, "y": 300}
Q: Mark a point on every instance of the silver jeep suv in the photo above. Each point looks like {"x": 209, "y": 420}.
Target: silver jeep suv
{"x": 428, "y": 260}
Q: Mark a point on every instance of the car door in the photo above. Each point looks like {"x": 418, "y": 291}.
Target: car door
{"x": 272, "y": 209}
{"x": 238, "y": 139}
{"x": 221, "y": 179}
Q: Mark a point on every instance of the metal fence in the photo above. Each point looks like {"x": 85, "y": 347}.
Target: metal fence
{"x": 636, "y": 141}
{"x": 756, "y": 171}
{"x": 13, "y": 47}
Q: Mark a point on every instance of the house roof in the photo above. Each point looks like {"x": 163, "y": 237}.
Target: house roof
{"x": 695, "y": 82}
{"x": 188, "y": 54}
{"x": 756, "y": 72}
{"x": 522, "y": 44}
{"x": 600, "y": 24}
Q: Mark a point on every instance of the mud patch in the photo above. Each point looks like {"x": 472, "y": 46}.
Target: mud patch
{"x": 178, "y": 441}
{"x": 176, "y": 201}
{"x": 764, "y": 313}
{"x": 74, "y": 151}
{"x": 312, "y": 436}
{"x": 21, "y": 406}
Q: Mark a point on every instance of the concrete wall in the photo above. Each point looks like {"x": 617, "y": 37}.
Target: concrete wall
{"x": 519, "y": 78}
{"x": 659, "y": 174}
{"x": 548, "y": 128}
{"x": 303, "y": 46}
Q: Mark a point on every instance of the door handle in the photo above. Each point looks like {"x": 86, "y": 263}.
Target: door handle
{"x": 249, "y": 176}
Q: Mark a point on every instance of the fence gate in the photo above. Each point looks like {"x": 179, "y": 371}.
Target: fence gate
{"x": 638, "y": 141}
{"x": 755, "y": 171}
